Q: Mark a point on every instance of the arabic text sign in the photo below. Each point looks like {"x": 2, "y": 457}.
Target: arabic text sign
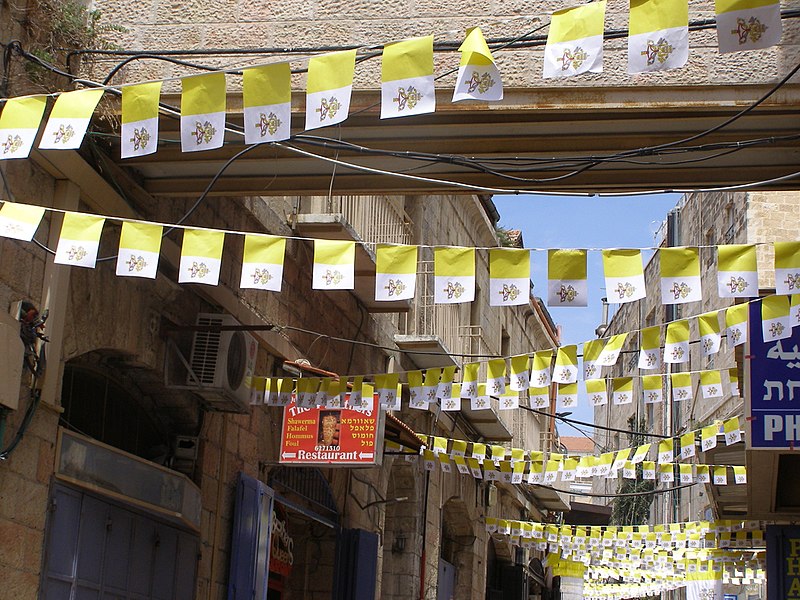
{"x": 333, "y": 436}
{"x": 773, "y": 387}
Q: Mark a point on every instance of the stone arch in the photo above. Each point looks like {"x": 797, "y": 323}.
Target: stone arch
{"x": 402, "y": 533}
{"x": 458, "y": 538}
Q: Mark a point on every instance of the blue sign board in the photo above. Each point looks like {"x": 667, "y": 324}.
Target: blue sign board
{"x": 773, "y": 387}
{"x": 783, "y": 562}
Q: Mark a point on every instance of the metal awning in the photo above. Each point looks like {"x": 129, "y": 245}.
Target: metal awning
{"x": 549, "y": 498}
{"x": 487, "y": 423}
{"x": 425, "y": 351}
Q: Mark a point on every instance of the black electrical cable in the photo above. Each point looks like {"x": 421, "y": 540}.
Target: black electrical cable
{"x": 593, "y": 425}
{"x": 618, "y": 495}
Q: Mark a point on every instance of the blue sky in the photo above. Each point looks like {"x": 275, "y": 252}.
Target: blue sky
{"x": 582, "y": 222}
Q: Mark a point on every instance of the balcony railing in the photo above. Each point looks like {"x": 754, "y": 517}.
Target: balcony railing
{"x": 376, "y": 219}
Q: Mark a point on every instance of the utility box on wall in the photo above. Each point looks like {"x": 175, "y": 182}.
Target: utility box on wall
{"x": 12, "y": 350}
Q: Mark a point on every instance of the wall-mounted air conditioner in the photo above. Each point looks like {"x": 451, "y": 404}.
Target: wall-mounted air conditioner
{"x": 222, "y": 364}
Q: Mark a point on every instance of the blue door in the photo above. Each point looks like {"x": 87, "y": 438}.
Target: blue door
{"x": 446, "y": 583}
{"x": 97, "y": 550}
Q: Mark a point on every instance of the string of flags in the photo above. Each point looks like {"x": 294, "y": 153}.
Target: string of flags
{"x": 454, "y": 268}
{"x": 636, "y": 561}
{"x": 658, "y": 40}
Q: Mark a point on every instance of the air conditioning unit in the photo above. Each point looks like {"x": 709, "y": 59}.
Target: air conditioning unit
{"x": 222, "y": 365}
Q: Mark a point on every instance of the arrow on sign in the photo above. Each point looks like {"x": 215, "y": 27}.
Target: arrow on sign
{"x": 289, "y": 455}
{"x": 365, "y": 455}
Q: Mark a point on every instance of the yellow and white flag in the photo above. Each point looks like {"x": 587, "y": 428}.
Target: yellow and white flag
{"x": 710, "y": 384}
{"x": 478, "y": 76}
{"x": 658, "y": 35}
{"x": 567, "y": 396}
{"x": 652, "y": 389}
{"x": 732, "y": 429}
{"x": 69, "y": 119}
{"x": 787, "y": 267}
{"x": 566, "y": 369}
{"x": 794, "y": 308}
{"x": 566, "y": 278}
{"x": 666, "y": 472}
{"x": 508, "y": 400}
{"x": 736, "y": 318}
{"x": 539, "y": 397}
{"x": 591, "y": 354}
{"x": 710, "y": 332}
{"x": 469, "y": 380}
{"x": 139, "y": 247}
{"x": 481, "y": 400}
{"x": 202, "y": 112}
{"x": 708, "y": 436}
{"x": 676, "y": 347}
{"x": 267, "y": 99}
{"x": 540, "y": 368}
{"x": 610, "y": 354}
{"x": 622, "y": 390}
{"x": 720, "y": 475}
{"x": 681, "y": 386}
{"x": 666, "y": 450}
{"x": 20, "y": 221}
{"x": 687, "y": 445}
{"x": 407, "y": 86}
{"x": 747, "y": 24}
{"x": 680, "y": 274}
{"x": 575, "y": 41}
{"x": 737, "y": 271}
{"x": 19, "y": 124}
{"x": 416, "y": 395}
{"x": 496, "y": 376}
{"x": 454, "y": 275}
{"x": 262, "y": 263}
{"x": 520, "y": 375}
{"x": 775, "y": 323}
{"x": 641, "y": 453}
{"x": 624, "y": 274}
{"x": 329, "y": 88}
{"x": 733, "y": 380}
{"x": 597, "y": 392}
{"x": 79, "y": 240}
{"x": 395, "y": 272}
{"x": 452, "y": 401}
{"x": 201, "y": 256}
{"x": 334, "y": 265}
{"x": 431, "y": 384}
{"x": 443, "y": 390}
{"x": 739, "y": 473}
{"x": 650, "y": 347}
{"x": 509, "y": 277}
{"x": 139, "y": 132}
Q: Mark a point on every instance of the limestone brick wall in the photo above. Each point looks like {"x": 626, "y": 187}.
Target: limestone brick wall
{"x": 162, "y": 24}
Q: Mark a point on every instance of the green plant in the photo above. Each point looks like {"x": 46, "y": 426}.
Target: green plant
{"x": 633, "y": 510}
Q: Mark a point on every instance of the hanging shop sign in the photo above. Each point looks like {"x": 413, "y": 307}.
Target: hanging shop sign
{"x": 332, "y": 436}
{"x": 772, "y": 372}
{"x": 783, "y": 561}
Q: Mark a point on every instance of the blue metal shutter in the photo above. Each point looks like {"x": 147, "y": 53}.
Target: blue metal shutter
{"x": 356, "y": 565}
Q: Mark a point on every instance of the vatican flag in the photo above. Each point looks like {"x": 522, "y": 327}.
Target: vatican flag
{"x": 686, "y": 473}
{"x": 481, "y": 400}
{"x": 454, "y": 275}
{"x": 676, "y": 348}
{"x": 139, "y": 245}
{"x": 330, "y": 85}
{"x": 508, "y": 400}
{"x": 478, "y": 76}
{"x": 710, "y": 384}
{"x": 202, "y": 112}
{"x": 469, "y": 380}
{"x": 407, "y": 86}
{"x": 262, "y": 264}
{"x": 680, "y": 275}
{"x": 139, "y": 130}
{"x": 509, "y": 277}
{"x": 733, "y": 381}
{"x": 622, "y": 390}
{"x": 267, "y": 99}
{"x": 737, "y": 271}
{"x": 681, "y": 386}
{"x": 417, "y": 398}
{"x": 520, "y": 375}
{"x": 444, "y": 389}
{"x": 596, "y": 392}
{"x": 453, "y": 401}
{"x": 666, "y": 450}
{"x": 652, "y": 389}
{"x": 641, "y": 453}
{"x": 747, "y": 24}
{"x": 787, "y": 267}
{"x": 69, "y": 119}
{"x": 539, "y": 397}
{"x": 687, "y": 445}
{"x": 658, "y": 35}
{"x": 733, "y": 433}
{"x": 334, "y": 265}
{"x": 591, "y": 355}
{"x": 20, "y": 221}
{"x": 79, "y": 240}
{"x": 575, "y": 41}
{"x": 650, "y": 347}
{"x": 775, "y": 324}
{"x": 736, "y": 324}
{"x": 624, "y": 274}
{"x": 540, "y": 368}
{"x": 610, "y": 354}
{"x": 431, "y": 383}
{"x": 496, "y": 376}
{"x": 566, "y": 278}
{"x": 566, "y": 369}
{"x": 710, "y": 336}
{"x": 567, "y": 396}
{"x": 201, "y": 256}
{"x": 395, "y": 272}
{"x": 19, "y": 124}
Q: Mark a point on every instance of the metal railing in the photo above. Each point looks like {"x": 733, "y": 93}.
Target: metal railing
{"x": 376, "y": 219}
